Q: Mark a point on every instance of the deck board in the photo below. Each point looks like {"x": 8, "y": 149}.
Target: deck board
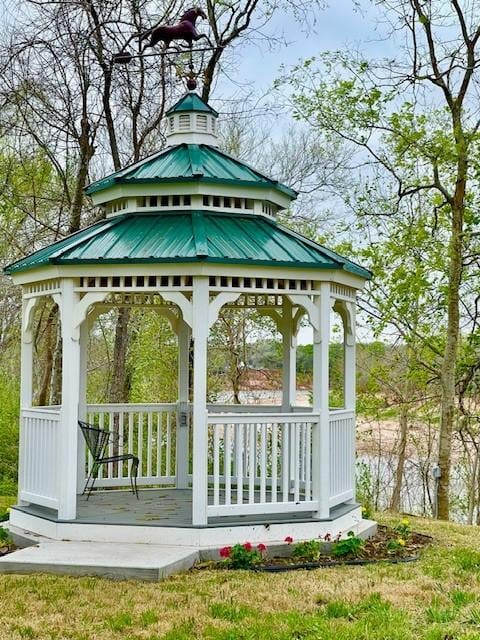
{"x": 159, "y": 508}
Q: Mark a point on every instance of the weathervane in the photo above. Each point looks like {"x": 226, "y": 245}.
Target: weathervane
{"x": 185, "y": 30}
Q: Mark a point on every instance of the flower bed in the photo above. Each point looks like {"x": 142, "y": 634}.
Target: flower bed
{"x": 390, "y": 544}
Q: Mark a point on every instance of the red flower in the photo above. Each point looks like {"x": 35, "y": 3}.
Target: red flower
{"x": 288, "y": 540}
{"x": 327, "y": 537}
{"x": 225, "y": 552}
{"x": 261, "y": 547}
{"x": 247, "y": 546}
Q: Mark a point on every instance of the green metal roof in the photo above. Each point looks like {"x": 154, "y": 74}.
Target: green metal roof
{"x": 188, "y": 236}
{"x": 190, "y": 163}
{"x": 191, "y": 102}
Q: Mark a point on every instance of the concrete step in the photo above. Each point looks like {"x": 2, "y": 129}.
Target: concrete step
{"x": 121, "y": 561}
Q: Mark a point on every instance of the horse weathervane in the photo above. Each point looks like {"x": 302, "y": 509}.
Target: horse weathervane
{"x": 185, "y": 30}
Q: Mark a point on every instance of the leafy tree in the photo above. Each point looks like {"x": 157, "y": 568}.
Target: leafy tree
{"x": 383, "y": 110}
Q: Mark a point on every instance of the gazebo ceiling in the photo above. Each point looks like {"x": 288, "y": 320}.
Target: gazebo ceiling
{"x": 188, "y": 236}
{"x": 190, "y": 163}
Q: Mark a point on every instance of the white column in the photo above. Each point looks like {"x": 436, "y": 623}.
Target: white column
{"x": 68, "y": 441}
{"x": 321, "y": 435}
{"x": 26, "y": 387}
{"x": 182, "y": 411}
{"x": 82, "y": 403}
{"x": 200, "y": 432}
{"x": 289, "y": 373}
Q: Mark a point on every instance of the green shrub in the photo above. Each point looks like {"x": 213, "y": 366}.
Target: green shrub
{"x": 309, "y": 550}
{"x": 5, "y": 537}
{"x": 349, "y": 546}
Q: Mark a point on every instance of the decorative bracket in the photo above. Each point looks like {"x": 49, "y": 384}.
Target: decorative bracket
{"x": 181, "y": 301}
{"x": 346, "y": 310}
{"x": 217, "y": 303}
{"x": 27, "y": 319}
{"x": 303, "y": 300}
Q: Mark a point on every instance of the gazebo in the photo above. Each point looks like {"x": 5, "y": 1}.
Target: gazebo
{"x": 188, "y": 232}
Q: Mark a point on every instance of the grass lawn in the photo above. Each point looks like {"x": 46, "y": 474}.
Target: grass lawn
{"x": 437, "y": 598}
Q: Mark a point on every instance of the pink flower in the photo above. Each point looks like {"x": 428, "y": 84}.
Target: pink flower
{"x": 288, "y": 540}
{"x": 225, "y": 552}
{"x": 261, "y": 547}
{"x": 247, "y": 546}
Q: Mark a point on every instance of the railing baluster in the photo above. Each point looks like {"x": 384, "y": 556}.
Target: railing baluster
{"x": 308, "y": 481}
{"x": 239, "y": 463}
{"x": 159, "y": 444}
{"x": 285, "y": 461}
{"x": 263, "y": 462}
{"x": 149, "y": 445}
{"x": 227, "y": 463}
{"x": 251, "y": 463}
{"x": 168, "y": 470}
{"x": 110, "y": 443}
{"x": 121, "y": 425}
{"x": 216, "y": 464}
{"x": 140, "y": 443}
{"x": 101, "y": 425}
{"x": 274, "y": 462}
{"x": 296, "y": 481}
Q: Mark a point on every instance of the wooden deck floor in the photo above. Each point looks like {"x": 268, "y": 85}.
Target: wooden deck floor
{"x": 159, "y": 508}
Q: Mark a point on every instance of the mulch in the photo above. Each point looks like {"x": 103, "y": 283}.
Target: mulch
{"x": 375, "y": 550}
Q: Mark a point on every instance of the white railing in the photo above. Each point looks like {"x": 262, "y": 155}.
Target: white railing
{"x": 260, "y": 463}
{"x": 342, "y": 456}
{"x": 39, "y": 456}
{"x": 145, "y": 430}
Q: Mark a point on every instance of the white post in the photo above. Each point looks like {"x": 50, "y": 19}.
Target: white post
{"x": 321, "y": 435}
{"x": 200, "y": 428}
{"x": 67, "y": 460}
{"x": 82, "y": 403}
{"x": 182, "y": 411}
{"x": 289, "y": 374}
{"x": 26, "y": 388}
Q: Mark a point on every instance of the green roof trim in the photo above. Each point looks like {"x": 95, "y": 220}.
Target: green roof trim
{"x": 191, "y": 102}
{"x": 188, "y": 236}
{"x": 190, "y": 163}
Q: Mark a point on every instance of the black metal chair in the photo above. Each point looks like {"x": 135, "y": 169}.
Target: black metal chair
{"x": 97, "y": 441}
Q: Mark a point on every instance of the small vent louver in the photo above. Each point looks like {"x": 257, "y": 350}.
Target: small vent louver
{"x": 202, "y": 122}
{"x": 184, "y": 122}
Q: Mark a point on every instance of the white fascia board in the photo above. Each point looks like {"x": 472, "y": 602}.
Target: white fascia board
{"x": 190, "y": 188}
{"x": 191, "y": 137}
{"x": 189, "y": 269}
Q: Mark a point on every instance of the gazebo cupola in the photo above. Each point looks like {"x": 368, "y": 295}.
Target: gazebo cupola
{"x": 190, "y": 232}
{"x": 192, "y": 121}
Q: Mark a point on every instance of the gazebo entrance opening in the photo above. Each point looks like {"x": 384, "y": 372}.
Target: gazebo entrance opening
{"x": 200, "y": 463}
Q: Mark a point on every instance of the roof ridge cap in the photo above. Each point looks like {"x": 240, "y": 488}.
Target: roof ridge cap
{"x": 199, "y": 234}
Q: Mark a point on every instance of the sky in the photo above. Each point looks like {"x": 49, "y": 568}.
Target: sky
{"x": 338, "y": 26}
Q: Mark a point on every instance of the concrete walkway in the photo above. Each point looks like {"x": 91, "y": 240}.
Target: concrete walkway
{"x": 120, "y": 561}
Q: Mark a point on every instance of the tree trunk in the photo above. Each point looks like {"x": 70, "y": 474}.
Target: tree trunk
{"x": 119, "y": 387}
{"x": 472, "y": 491}
{"x": 56, "y": 382}
{"x": 452, "y": 335}
{"x": 402, "y": 450}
